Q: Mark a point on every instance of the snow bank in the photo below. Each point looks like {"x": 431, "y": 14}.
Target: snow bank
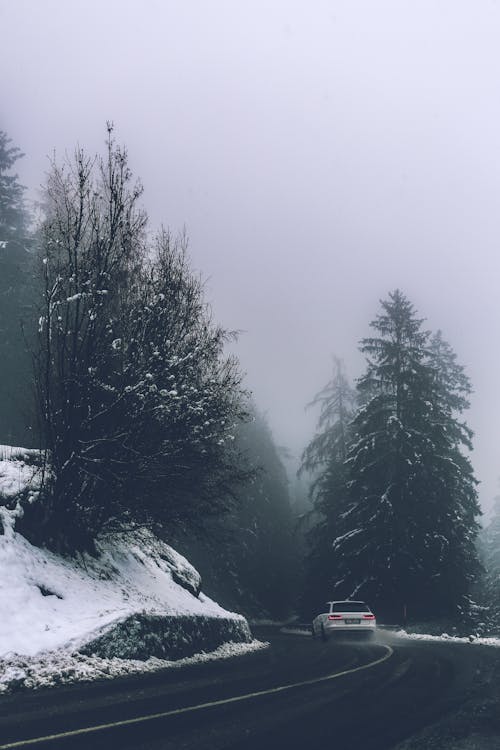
{"x": 62, "y": 667}
{"x": 167, "y": 637}
{"x": 136, "y": 599}
{"x": 477, "y": 640}
{"x": 50, "y": 602}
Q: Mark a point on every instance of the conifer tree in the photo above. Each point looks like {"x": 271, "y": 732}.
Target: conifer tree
{"x": 453, "y": 387}
{"x": 249, "y": 556}
{"x": 490, "y": 554}
{"x": 324, "y": 459}
{"x": 264, "y": 552}
{"x": 13, "y": 216}
{"x": 16, "y": 301}
{"x": 407, "y": 534}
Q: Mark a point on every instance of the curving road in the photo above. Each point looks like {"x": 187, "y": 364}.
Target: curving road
{"x": 296, "y": 694}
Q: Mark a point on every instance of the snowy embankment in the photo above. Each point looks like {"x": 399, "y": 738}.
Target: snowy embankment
{"x": 135, "y": 607}
{"x": 477, "y": 640}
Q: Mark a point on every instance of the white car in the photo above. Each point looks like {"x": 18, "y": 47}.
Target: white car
{"x": 343, "y": 618}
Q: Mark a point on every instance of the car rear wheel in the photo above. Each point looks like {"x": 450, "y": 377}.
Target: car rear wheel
{"x": 324, "y": 636}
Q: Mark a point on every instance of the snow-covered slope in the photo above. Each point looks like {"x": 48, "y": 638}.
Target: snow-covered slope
{"x": 138, "y": 598}
{"x": 48, "y": 601}
{"x": 17, "y": 472}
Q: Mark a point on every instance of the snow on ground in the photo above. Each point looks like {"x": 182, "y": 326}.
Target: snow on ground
{"x": 62, "y": 667}
{"x": 51, "y": 602}
{"x": 16, "y": 472}
{"x": 53, "y": 606}
{"x": 476, "y": 640}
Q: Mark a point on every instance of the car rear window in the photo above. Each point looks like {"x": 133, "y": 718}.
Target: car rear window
{"x": 350, "y": 607}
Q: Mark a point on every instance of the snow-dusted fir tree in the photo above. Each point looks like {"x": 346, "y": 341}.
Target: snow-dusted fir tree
{"x": 408, "y": 534}
{"x": 16, "y": 298}
{"x": 490, "y": 557}
{"x": 324, "y": 460}
{"x": 13, "y": 214}
{"x": 262, "y": 546}
{"x": 453, "y": 387}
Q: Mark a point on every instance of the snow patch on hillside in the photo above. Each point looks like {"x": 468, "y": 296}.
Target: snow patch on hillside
{"x": 18, "y": 472}
{"x": 49, "y": 602}
{"x": 53, "y": 607}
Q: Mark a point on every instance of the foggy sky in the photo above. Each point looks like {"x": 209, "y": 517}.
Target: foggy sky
{"x": 320, "y": 155}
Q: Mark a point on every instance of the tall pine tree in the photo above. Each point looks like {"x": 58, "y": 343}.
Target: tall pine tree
{"x": 407, "y": 535}
{"x": 16, "y": 304}
{"x": 13, "y": 216}
{"x": 324, "y": 459}
{"x": 490, "y": 557}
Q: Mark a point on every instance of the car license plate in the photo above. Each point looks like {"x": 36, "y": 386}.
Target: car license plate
{"x": 350, "y": 621}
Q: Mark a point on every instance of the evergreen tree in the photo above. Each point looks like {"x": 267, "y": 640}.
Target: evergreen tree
{"x": 266, "y": 552}
{"x": 408, "y": 533}
{"x": 490, "y": 556}
{"x": 249, "y": 556}
{"x": 16, "y": 303}
{"x": 13, "y": 215}
{"x": 324, "y": 459}
{"x": 453, "y": 388}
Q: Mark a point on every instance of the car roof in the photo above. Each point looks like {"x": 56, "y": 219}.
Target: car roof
{"x": 346, "y": 601}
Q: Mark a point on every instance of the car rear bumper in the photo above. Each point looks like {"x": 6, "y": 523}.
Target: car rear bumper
{"x": 333, "y": 627}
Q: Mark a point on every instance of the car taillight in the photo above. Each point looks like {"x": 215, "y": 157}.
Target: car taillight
{"x": 368, "y": 617}
{"x": 334, "y": 617}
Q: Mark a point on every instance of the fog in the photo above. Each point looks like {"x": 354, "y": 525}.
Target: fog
{"x": 319, "y": 154}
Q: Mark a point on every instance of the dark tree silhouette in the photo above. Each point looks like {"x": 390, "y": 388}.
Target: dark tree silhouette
{"x": 137, "y": 400}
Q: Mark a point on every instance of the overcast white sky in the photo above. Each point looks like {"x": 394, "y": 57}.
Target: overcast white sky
{"x": 319, "y": 153}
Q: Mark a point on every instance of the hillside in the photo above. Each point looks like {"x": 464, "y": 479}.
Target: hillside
{"x": 64, "y": 618}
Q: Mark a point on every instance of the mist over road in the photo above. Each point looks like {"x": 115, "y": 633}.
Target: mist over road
{"x": 384, "y": 692}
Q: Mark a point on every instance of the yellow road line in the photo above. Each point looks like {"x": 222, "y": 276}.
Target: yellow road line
{"x": 199, "y": 707}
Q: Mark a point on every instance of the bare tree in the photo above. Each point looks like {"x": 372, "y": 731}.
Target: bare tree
{"x": 136, "y": 397}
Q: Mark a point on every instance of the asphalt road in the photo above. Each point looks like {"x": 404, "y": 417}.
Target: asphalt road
{"x": 298, "y": 693}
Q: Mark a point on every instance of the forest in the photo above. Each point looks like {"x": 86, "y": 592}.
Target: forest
{"x": 113, "y": 366}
